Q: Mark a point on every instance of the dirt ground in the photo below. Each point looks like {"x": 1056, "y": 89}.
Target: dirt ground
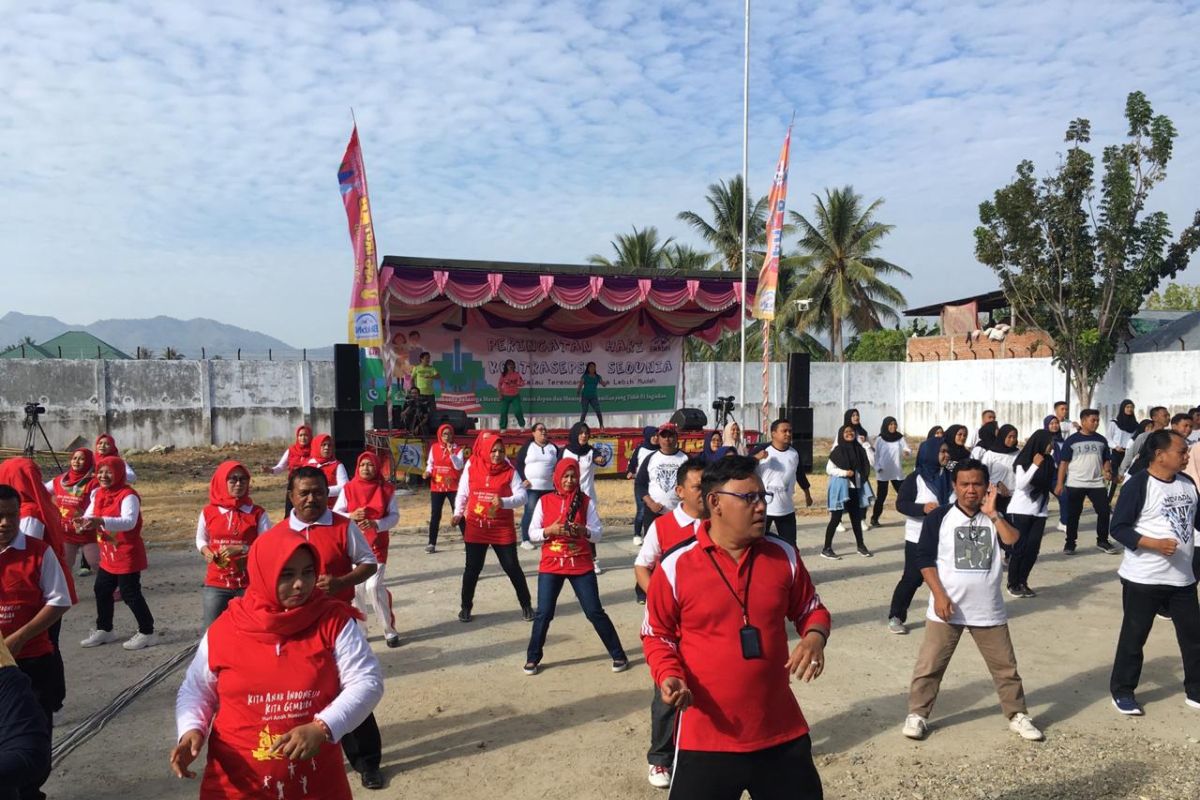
{"x": 460, "y": 717}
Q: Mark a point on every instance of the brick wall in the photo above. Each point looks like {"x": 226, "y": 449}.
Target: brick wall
{"x": 957, "y": 348}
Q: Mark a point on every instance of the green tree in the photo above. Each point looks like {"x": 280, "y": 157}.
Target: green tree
{"x": 724, "y": 233}
{"x": 881, "y": 345}
{"x": 685, "y": 258}
{"x": 1176, "y": 297}
{"x": 1080, "y": 272}
{"x": 638, "y": 250}
{"x": 836, "y": 279}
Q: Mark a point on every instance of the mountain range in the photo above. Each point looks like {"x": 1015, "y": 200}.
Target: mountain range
{"x": 191, "y": 337}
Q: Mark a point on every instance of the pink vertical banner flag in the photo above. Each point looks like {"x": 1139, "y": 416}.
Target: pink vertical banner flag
{"x": 365, "y": 317}
{"x": 768, "y": 277}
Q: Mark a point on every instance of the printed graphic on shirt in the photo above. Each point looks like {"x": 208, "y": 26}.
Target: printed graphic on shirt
{"x": 973, "y": 551}
{"x": 1178, "y": 510}
{"x": 266, "y": 741}
{"x": 665, "y": 476}
{"x": 1087, "y": 449}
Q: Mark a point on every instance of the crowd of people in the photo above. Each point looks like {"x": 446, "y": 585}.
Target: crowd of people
{"x": 283, "y": 672}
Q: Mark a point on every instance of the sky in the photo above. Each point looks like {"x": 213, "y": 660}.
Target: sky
{"x": 180, "y": 158}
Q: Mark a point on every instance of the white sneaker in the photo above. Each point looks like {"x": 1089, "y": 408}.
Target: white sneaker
{"x": 894, "y": 625}
{"x": 526, "y": 545}
{"x": 841, "y": 528}
{"x": 98, "y": 637}
{"x": 1022, "y": 725}
{"x": 659, "y": 777}
{"x": 140, "y": 640}
{"x": 637, "y": 540}
{"x": 599, "y": 570}
{"x": 915, "y": 726}
{"x": 1062, "y": 526}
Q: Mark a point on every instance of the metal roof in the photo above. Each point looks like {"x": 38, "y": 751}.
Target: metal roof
{"x": 989, "y": 301}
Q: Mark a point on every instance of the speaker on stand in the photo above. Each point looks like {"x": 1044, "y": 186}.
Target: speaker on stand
{"x": 689, "y": 419}
{"x": 798, "y": 410}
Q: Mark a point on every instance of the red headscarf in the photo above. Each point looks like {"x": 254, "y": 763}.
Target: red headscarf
{"x": 218, "y": 487}
{"x": 481, "y": 455}
{"x": 106, "y": 502}
{"x": 111, "y": 441}
{"x": 317, "y": 443}
{"x": 72, "y": 477}
{"x": 24, "y": 475}
{"x": 565, "y": 498}
{"x": 298, "y": 454}
{"x": 374, "y": 495}
{"x": 259, "y": 614}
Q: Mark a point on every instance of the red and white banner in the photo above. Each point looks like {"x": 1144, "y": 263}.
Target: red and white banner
{"x": 768, "y": 277}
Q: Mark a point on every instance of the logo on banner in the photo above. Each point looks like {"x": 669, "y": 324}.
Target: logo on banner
{"x": 366, "y": 325}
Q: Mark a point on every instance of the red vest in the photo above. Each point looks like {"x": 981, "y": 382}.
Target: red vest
{"x": 565, "y": 555}
{"x": 484, "y": 529}
{"x": 21, "y": 593}
{"x": 230, "y": 528}
{"x": 670, "y": 532}
{"x": 330, "y": 471}
{"x": 377, "y": 540}
{"x": 73, "y": 501}
{"x": 444, "y": 477}
{"x": 332, "y": 543}
{"x": 123, "y": 552}
{"x": 263, "y": 692}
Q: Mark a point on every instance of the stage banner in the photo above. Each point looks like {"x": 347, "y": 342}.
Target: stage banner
{"x": 365, "y": 317}
{"x": 640, "y": 373}
{"x": 768, "y": 277}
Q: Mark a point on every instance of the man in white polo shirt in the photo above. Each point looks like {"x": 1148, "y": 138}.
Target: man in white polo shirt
{"x": 780, "y": 470}
{"x": 1156, "y": 521}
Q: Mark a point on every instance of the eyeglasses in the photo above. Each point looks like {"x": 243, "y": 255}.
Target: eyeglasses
{"x": 238, "y": 479}
{"x": 751, "y": 498}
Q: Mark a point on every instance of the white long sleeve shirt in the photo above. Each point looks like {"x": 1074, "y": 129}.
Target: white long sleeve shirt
{"x": 651, "y": 552}
{"x": 384, "y": 523}
{"x": 131, "y": 509}
{"x": 515, "y": 500}
{"x": 537, "y": 529}
{"x": 52, "y": 582}
{"x": 202, "y": 537}
{"x": 888, "y": 458}
{"x": 456, "y": 458}
{"x": 359, "y": 675}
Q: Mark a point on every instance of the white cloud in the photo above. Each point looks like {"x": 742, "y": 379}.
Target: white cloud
{"x": 180, "y": 157}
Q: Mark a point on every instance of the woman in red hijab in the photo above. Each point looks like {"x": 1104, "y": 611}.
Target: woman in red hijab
{"x": 488, "y": 492}
{"x": 115, "y": 517}
{"x": 227, "y": 527}
{"x": 106, "y": 446}
{"x": 277, "y": 680}
{"x": 293, "y": 458}
{"x": 567, "y": 521}
{"x": 443, "y": 468}
{"x": 324, "y": 459}
{"x": 369, "y": 500}
{"x": 72, "y": 490}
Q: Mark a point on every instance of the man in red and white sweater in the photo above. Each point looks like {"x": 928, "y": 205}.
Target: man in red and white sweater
{"x": 715, "y": 638}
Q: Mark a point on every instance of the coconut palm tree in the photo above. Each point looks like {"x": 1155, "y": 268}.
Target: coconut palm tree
{"x": 686, "y": 258}
{"x": 724, "y": 233}
{"x": 638, "y": 250}
{"x": 836, "y": 272}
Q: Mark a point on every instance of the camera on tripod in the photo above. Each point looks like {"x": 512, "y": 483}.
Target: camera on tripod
{"x": 722, "y": 405}
{"x": 32, "y": 410}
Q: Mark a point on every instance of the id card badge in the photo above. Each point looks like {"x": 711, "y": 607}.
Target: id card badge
{"x": 751, "y": 642}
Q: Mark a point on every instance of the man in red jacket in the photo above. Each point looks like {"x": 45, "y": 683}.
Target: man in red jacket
{"x": 715, "y": 638}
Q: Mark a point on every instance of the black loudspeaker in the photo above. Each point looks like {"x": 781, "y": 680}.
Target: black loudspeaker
{"x": 379, "y": 418}
{"x": 346, "y": 380}
{"x": 798, "y": 370}
{"x": 451, "y": 416}
{"x": 802, "y": 421}
{"x": 690, "y": 419}
{"x": 348, "y": 429}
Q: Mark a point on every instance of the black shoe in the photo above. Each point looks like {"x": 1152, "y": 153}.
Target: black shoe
{"x": 372, "y": 779}
{"x": 875, "y": 522}
{"x": 527, "y": 613}
{"x": 1107, "y": 547}
{"x": 1026, "y": 591}
{"x": 1069, "y": 550}
{"x": 393, "y": 641}
{"x": 464, "y": 615}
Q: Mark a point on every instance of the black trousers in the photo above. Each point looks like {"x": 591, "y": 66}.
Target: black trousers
{"x": 881, "y": 493}
{"x": 42, "y": 672}
{"x": 436, "y": 501}
{"x": 906, "y": 587}
{"x": 662, "y": 732}
{"x": 60, "y": 670}
{"x": 785, "y": 525}
{"x": 783, "y": 772}
{"x": 130, "y": 585}
{"x": 1141, "y": 602}
{"x": 1025, "y": 551}
{"x": 506, "y": 554}
{"x": 363, "y": 746}
{"x": 853, "y": 510}
{"x": 1098, "y": 497}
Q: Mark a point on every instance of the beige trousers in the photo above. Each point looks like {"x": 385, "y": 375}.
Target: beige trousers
{"x": 994, "y": 645}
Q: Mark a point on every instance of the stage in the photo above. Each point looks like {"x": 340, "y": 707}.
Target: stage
{"x": 407, "y": 454}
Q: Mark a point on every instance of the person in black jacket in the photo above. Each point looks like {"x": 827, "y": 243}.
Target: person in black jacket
{"x": 925, "y": 490}
{"x": 24, "y": 734}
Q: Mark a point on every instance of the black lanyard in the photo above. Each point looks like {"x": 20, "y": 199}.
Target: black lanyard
{"x": 744, "y": 604}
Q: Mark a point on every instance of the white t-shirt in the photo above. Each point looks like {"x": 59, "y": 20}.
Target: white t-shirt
{"x": 966, "y": 552}
{"x": 587, "y": 470}
{"x": 778, "y": 474}
{"x": 1000, "y": 467}
{"x": 651, "y": 552}
{"x": 1022, "y": 502}
{"x": 888, "y": 457}
{"x": 1167, "y": 510}
{"x": 540, "y": 461}
{"x": 912, "y": 525}
{"x": 662, "y": 476}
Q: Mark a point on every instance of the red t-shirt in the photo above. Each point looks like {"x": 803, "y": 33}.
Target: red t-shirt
{"x": 692, "y": 630}
{"x": 565, "y": 555}
{"x": 226, "y": 527}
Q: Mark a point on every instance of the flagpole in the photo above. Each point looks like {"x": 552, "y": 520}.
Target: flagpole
{"x": 745, "y": 193}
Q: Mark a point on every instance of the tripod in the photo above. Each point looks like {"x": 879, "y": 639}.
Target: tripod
{"x": 32, "y": 427}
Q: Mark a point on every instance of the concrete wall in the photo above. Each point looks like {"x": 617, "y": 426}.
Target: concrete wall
{"x": 196, "y": 403}
{"x": 184, "y": 403}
